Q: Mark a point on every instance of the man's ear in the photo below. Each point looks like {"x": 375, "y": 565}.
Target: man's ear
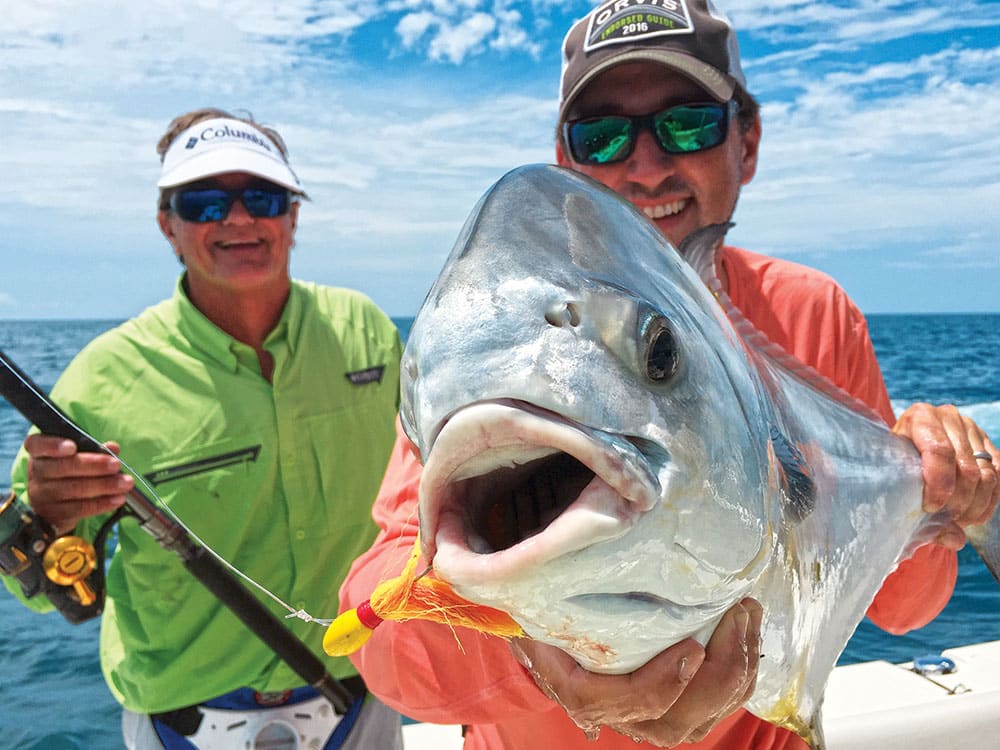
{"x": 751, "y": 150}
{"x": 561, "y": 159}
{"x": 165, "y": 222}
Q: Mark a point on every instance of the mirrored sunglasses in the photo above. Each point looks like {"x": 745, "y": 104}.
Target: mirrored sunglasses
{"x": 685, "y": 129}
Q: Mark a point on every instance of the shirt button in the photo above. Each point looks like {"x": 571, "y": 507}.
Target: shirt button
{"x": 300, "y": 535}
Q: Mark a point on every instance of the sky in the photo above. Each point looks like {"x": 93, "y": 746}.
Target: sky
{"x": 880, "y": 160}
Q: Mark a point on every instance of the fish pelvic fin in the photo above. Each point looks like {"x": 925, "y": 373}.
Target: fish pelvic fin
{"x": 985, "y": 539}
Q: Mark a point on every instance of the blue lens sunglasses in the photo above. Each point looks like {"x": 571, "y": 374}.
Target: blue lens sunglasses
{"x": 203, "y": 205}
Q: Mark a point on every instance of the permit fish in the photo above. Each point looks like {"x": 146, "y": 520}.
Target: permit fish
{"x": 614, "y": 456}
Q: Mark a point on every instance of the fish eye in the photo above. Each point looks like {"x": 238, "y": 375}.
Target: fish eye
{"x": 660, "y": 352}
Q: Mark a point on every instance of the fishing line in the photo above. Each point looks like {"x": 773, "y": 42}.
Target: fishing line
{"x": 301, "y": 614}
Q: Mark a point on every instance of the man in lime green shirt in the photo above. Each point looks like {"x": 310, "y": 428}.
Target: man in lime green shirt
{"x": 261, "y": 410}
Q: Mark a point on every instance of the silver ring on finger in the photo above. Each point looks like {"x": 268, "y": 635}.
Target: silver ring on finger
{"x": 982, "y": 456}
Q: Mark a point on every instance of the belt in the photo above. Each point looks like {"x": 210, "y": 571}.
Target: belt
{"x": 185, "y": 721}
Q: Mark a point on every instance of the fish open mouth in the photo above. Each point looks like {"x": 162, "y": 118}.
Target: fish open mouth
{"x": 508, "y": 486}
{"x": 508, "y": 505}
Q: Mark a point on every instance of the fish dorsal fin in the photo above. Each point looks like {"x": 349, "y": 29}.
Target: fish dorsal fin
{"x": 760, "y": 342}
{"x": 700, "y": 249}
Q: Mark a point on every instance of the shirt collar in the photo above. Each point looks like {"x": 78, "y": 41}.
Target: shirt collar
{"x": 218, "y": 344}
{"x": 288, "y": 326}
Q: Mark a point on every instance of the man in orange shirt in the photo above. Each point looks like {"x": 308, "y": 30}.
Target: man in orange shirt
{"x": 658, "y": 110}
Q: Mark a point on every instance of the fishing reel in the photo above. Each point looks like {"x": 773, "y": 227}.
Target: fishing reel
{"x": 66, "y": 569}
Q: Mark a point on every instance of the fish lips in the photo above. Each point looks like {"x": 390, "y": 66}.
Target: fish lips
{"x": 508, "y": 486}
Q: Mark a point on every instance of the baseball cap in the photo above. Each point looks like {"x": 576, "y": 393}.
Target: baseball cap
{"x": 690, "y": 36}
{"x": 220, "y": 145}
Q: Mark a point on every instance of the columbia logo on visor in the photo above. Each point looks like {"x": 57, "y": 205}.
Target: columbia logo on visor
{"x": 192, "y": 142}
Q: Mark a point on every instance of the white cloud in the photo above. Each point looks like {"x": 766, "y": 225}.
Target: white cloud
{"x": 455, "y": 30}
{"x": 857, "y": 181}
{"x": 36, "y": 107}
{"x": 452, "y": 37}
{"x": 513, "y": 36}
{"x": 897, "y": 158}
{"x": 413, "y": 26}
{"x": 800, "y": 22}
{"x": 453, "y": 43}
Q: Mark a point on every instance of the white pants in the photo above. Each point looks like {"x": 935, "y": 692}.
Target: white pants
{"x": 378, "y": 727}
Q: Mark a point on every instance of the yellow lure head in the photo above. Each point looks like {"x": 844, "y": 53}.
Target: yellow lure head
{"x": 349, "y": 632}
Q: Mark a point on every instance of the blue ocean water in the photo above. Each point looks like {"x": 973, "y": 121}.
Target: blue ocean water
{"x": 52, "y": 695}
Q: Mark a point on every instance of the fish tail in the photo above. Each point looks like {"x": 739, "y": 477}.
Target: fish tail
{"x": 986, "y": 541}
{"x": 413, "y": 597}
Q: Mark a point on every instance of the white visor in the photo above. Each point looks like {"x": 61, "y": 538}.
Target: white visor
{"x": 221, "y": 145}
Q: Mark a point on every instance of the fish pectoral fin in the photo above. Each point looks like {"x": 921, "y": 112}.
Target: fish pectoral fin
{"x": 796, "y": 480}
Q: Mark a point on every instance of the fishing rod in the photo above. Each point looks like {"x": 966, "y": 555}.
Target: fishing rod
{"x": 70, "y": 572}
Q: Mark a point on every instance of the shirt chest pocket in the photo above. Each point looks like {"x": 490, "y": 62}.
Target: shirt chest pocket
{"x": 208, "y": 486}
{"x": 350, "y": 448}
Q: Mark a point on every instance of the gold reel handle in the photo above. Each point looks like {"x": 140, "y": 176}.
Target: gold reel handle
{"x": 68, "y": 561}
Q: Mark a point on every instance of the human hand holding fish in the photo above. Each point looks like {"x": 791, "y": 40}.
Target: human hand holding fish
{"x": 955, "y": 480}
{"x": 676, "y": 697}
